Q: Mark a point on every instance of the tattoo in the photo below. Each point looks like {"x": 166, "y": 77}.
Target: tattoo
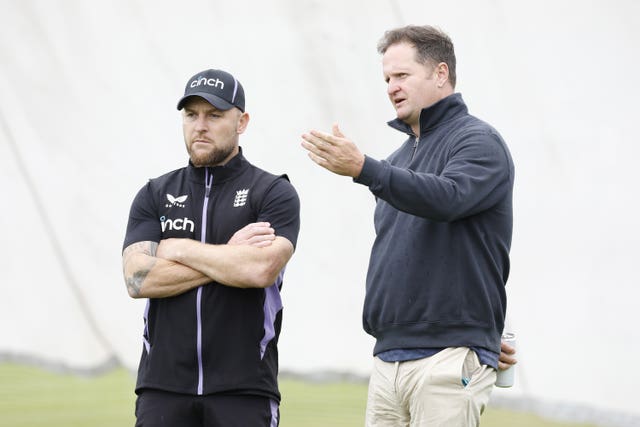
{"x": 147, "y": 247}
{"x": 153, "y": 248}
{"x": 134, "y": 283}
{"x": 134, "y": 279}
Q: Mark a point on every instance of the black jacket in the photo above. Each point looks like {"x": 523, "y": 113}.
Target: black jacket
{"x": 216, "y": 338}
{"x": 443, "y": 222}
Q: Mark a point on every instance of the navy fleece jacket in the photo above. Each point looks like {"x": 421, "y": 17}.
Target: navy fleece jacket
{"x": 443, "y": 223}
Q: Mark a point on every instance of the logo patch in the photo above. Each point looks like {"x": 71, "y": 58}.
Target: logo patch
{"x": 207, "y": 82}
{"x": 241, "y": 198}
{"x": 176, "y": 224}
{"x": 176, "y": 201}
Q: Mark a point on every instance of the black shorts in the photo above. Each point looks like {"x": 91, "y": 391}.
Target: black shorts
{"x": 156, "y": 408}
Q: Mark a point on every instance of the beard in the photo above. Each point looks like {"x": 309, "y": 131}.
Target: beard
{"x": 210, "y": 158}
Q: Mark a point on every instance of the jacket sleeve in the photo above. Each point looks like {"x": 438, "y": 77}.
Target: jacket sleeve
{"x": 281, "y": 207}
{"x": 143, "y": 223}
{"x": 477, "y": 175}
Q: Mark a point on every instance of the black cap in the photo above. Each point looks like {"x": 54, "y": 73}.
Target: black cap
{"x": 218, "y": 87}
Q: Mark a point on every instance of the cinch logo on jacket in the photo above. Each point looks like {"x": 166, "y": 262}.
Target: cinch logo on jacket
{"x": 176, "y": 224}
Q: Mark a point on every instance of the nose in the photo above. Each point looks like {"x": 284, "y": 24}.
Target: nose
{"x": 201, "y": 123}
{"x": 392, "y": 87}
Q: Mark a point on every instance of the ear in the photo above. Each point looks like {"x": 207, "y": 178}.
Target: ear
{"x": 243, "y": 122}
{"x": 441, "y": 72}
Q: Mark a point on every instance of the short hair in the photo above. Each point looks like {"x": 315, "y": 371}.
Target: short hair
{"x": 433, "y": 45}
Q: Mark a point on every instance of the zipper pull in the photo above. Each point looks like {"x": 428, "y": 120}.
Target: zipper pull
{"x": 208, "y": 180}
{"x": 415, "y": 147}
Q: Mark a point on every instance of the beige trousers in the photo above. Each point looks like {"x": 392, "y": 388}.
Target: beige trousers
{"x": 430, "y": 391}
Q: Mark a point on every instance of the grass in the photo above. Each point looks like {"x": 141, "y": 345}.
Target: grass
{"x": 32, "y": 397}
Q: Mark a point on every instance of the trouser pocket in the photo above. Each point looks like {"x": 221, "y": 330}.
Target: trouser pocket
{"x": 470, "y": 367}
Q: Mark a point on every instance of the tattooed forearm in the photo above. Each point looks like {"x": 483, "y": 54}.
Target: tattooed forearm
{"x": 147, "y": 247}
{"x": 134, "y": 272}
{"x": 134, "y": 283}
{"x": 135, "y": 279}
{"x": 149, "y": 276}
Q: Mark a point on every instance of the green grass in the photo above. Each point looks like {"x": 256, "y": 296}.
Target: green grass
{"x": 307, "y": 404}
{"x": 32, "y": 397}
{"x": 322, "y": 405}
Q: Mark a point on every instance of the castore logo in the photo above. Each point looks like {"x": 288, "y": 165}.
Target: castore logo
{"x": 176, "y": 201}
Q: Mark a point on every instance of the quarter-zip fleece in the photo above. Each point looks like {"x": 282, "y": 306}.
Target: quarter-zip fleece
{"x": 443, "y": 222}
{"x": 215, "y": 338}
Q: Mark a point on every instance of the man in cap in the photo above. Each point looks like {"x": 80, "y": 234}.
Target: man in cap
{"x": 207, "y": 244}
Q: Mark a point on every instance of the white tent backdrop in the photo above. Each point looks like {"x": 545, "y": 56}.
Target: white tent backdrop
{"x": 87, "y": 114}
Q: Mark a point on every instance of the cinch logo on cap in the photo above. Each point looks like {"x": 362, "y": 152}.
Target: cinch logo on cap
{"x": 207, "y": 82}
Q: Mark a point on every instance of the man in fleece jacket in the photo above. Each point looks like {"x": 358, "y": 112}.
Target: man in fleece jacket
{"x": 435, "y": 296}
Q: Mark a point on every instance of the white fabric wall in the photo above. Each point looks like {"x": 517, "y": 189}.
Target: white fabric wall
{"x": 87, "y": 114}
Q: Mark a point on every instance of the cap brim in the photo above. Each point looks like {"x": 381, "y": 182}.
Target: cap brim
{"x": 217, "y": 102}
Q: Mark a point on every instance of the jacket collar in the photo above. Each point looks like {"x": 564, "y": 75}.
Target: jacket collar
{"x": 232, "y": 168}
{"x": 434, "y": 115}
